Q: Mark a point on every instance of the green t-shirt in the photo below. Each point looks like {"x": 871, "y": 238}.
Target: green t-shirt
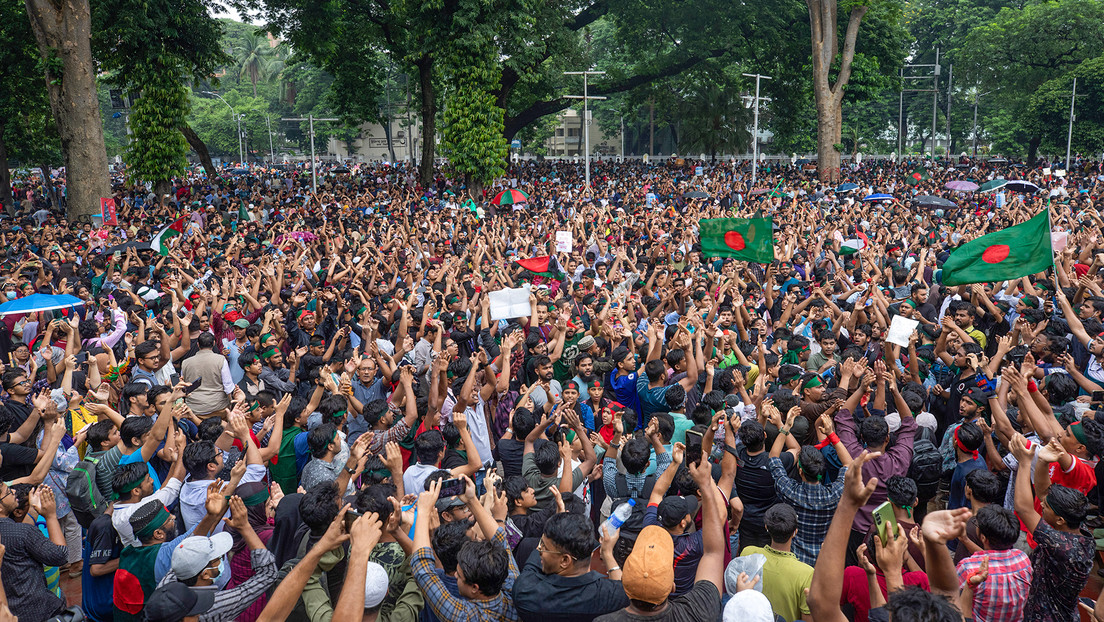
{"x": 283, "y": 471}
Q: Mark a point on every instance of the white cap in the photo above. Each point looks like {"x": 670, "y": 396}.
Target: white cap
{"x": 375, "y": 585}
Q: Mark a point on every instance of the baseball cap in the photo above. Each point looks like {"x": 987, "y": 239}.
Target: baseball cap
{"x": 672, "y": 509}
{"x": 446, "y": 504}
{"x": 175, "y": 601}
{"x": 649, "y": 574}
{"x": 375, "y": 585}
{"x": 242, "y": 323}
{"x": 195, "y": 553}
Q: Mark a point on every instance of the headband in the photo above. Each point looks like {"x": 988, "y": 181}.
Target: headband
{"x": 973, "y": 452}
{"x": 812, "y": 382}
{"x": 269, "y": 352}
{"x": 256, "y": 498}
{"x": 340, "y": 413}
{"x": 1030, "y": 301}
{"x": 254, "y": 406}
{"x": 131, "y": 486}
{"x": 159, "y": 519}
{"x": 910, "y": 302}
{"x": 1077, "y": 431}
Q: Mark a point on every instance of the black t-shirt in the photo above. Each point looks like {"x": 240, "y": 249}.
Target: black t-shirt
{"x": 511, "y": 451}
{"x": 755, "y": 486}
{"x": 703, "y": 602}
{"x": 19, "y": 461}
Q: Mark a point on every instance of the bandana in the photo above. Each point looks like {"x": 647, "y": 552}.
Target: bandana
{"x": 973, "y": 453}
{"x": 1077, "y": 431}
{"x": 338, "y": 414}
{"x": 812, "y": 382}
{"x": 1030, "y": 301}
{"x": 160, "y": 519}
{"x": 256, "y": 498}
{"x": 303, "y": 313}
{"x": 911, "y": 303}
{"x": 269, "y": 352}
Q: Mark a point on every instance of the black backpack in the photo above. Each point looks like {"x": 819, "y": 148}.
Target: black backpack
{"x": 84, "y": 496}
{"x": 927, "y": 465}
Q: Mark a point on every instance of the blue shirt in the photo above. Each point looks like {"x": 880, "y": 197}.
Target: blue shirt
{"x": 958, "y": 482}
{"x": 624, "y": 391}
{"x": 652, "y": 400}
{"x": 136, "y": 457}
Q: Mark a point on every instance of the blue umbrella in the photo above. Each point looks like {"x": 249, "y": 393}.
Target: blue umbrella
{"x": 878, "y": 197}
{"x": 847, "y": 187}
{"x": 40, "y": 302}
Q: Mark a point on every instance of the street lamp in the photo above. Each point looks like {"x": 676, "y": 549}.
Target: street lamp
{"x": 586, "y": 97}
{"x": 238, "y": 118}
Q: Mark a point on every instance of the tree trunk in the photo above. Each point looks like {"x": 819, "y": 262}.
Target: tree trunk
{"x": 6, "y": 198}
{"x": 429, "y": 120}
{"x": 197, "y": 145}
{"x": 1033, "y": 150}
{"x": 390, "y": 141}
{"x": 829, "y": 97}
{"x": 163, "y": 187}
{"x": 62, "y": 31}
{"x": 51, "y": 191}
{"x": 829, "y": 134}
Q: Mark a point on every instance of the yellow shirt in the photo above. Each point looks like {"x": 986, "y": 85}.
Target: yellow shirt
{"x": 785, "y": 579}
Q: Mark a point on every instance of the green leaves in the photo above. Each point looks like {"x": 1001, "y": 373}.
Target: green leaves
{"x": 157, "y": 151}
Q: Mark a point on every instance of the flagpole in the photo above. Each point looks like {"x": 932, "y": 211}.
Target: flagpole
{"x": 1054, "y": 265}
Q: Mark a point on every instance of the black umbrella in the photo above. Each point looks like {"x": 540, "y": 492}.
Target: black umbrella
{"x": 931, "y": 200}
{"x": 696, "y": 194}
{"x": 240, "y": 171}
{"x": 1019, "y": 185}
{"x": 340, "y": 169}
{"x": 119, "y": 248}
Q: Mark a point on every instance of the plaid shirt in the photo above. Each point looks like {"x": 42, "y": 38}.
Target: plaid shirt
{"x": 448, "y": 607}
{"x": 1002, "y": 596}
{"x": 814, "y": 503}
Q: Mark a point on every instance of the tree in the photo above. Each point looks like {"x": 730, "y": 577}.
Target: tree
{"x": 471, "y": 135}
{"x": 256, "y": 58}
{"x": 158, "y": 150}
{"x": 715, "y": 120}
{"x": 1050, "y": 105}
{"x": 63, "y": 31}
{"x": 1051, "y": 38}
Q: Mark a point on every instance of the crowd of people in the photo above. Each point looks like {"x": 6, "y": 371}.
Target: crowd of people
{"x": 275, "y": 403}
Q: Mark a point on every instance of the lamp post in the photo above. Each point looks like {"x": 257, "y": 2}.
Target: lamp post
{"x": 586, "y": 116}
{"x": 238, "y": 118}
{"x": 755, "y": 127}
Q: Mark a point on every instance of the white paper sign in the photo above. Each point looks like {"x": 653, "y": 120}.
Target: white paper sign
{"x": 510, "y": 303}
{"x": 900, "y": 329}
{"x": 1046, "y": 170}
{"x": 698, "y": 171}
{"x": 563, "y": 241}
{"x": 1058, "y": 240}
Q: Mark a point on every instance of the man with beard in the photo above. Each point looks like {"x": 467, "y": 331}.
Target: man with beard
{"x": 549, "y": 389}
{"x": 276, "y": 376}
{"x": 573, "y": 336}
{"x": 584, "y": 372}
{"x": 143, "y": 564}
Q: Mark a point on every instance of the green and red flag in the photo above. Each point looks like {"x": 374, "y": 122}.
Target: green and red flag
{"x": 750, "y": 239}
{"x": 1010, "y": 253}
{"x": 161, "y": 240}
{"x": 543, "y": 266}
{"x": 918, "y": 175}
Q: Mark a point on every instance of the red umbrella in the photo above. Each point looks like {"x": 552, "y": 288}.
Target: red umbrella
{"x": 510, "y": 197}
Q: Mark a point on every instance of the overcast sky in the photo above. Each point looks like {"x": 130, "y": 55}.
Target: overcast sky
{"x": 231, "y": 12}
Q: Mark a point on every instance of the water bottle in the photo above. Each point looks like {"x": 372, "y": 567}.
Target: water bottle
{"x": 618, "y": 517}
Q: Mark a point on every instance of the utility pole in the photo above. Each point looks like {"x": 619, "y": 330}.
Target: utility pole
{"x": 950, "y": 76}
{"x": 271, "y": 153}
{"x": 1072, "y": 118}
{"x": 586, "y": 97}
{"x": 901, "y": 131}
{"x": 238, "y": 118}
{"x": 935, "y": 102}
{"x": 755, "y": 126}
{"x": 314, "y": 168}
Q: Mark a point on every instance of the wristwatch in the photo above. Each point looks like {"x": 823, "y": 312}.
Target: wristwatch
{"x": 350, "y": 470}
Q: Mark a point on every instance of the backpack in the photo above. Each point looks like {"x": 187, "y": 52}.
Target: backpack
{"x": 926, "y": 468}
{"x": 84, "y": 496}
{"x": 632, "y": 526}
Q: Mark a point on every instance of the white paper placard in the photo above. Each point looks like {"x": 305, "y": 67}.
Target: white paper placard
{"x": 563, "y": 241}
{"x": 900, "y": 329}
{"x": 510, "y": 303}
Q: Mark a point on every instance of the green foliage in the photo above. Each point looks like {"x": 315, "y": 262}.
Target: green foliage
{"x": 157, "y": 150}
{"x": 1050, "y": 104}
{"x": 26, "y": 122}
{"x": 472, "y": 122}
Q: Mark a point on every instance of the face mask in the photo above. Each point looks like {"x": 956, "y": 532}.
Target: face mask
{"x": 221, "y": 568}
{"x": 10, "y": 295}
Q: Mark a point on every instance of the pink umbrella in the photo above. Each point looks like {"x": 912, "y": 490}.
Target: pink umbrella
{"x": 961, "y": 186}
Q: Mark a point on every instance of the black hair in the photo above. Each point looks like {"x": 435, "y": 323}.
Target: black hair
{"x": 126, "y": 474}
{"x": 781, "y": 522}
{"x": 752, "y": 435}
{"x": 134, "y": 427}
{"x": 784, "y": 399}
{"x": 656, "y": 370}
{"x": 130, "y": 391}
{"x": 294, "y": 411}
{"x": 573, "y": 533}
{"x": 1068, "y": 503}
{"x": 873, "y": 431}
{"x": 143, "y": 515}
{"x": 145, "y": 348}
{"x": 447, "y": 541}
{"x": 206, "y": 341}
{"x": 514, "y": 487}
{"x": 428, "y": 446}
{"x": 197, "y": 456}
{"x": 246, "y": 360}
{"x": 914, "y": 604}
{"x": 999, "y": 525}
{"x": 636, "y": 453}
{"x": 211, "y": 429}
{"x": 7, "y": 420}
{"x": 812, "y": 463}
{"x": 99, "y": 433}
{"x": 374, "y": 411}
{"x": 318, "y": 507}
{"x": 524, "y": 422}
{"x": 1061, "y": 389}
{"x": 547, "y": 458}
{"x": 985, "y": 486}
{"x": 901, "y": 491}
{"x": 666, "y": 425}
{"x": 155, "y": 392}
{"x": 970, "y": 436}
{"x": 675, "y": 356}
{"x": 485, "y": 564}
{"x": 675, "y": 397}
{"x": 376, "y": 498}
{"x": 319, "y": 439}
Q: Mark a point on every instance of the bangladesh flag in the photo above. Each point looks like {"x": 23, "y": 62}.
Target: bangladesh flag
{"x": 161, "y": 240}
{"x": 1007, "y": 254}
{"x": 544, "y": 266}
{"x": 852, "y": 246}
{"x": 916, "y": 176}
{"x": 750, "y": 239}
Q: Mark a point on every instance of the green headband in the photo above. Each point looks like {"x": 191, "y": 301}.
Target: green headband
{"x": 256, "y": 498}
{"x": 131, "y": 486}
{"x": 910, "y": 302}
{"x": 254, "y": 406}
{"x": 159, "y": 519}
{"x": 1030, "y": 301}
{"x": 268, "y": 353}
{"x": 340, "y": 413}
{"x": 812, "y": 382}
{"x": 1077, "y": 431}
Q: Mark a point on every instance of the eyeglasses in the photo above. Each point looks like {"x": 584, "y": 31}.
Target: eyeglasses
{"x": 543, "y": 549}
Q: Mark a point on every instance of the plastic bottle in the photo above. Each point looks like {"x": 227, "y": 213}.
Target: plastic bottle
{"x": 618, "y": 517}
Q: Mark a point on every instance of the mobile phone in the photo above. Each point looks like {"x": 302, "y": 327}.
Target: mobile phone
{"x": 884, "y": 519}
{"x": 693, "y": 437}
{"x": 1098, "y": 396}
{"x": 192, "y": 387}
{"x": 451, "y": 488}
{"x": 351, "y": 515}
